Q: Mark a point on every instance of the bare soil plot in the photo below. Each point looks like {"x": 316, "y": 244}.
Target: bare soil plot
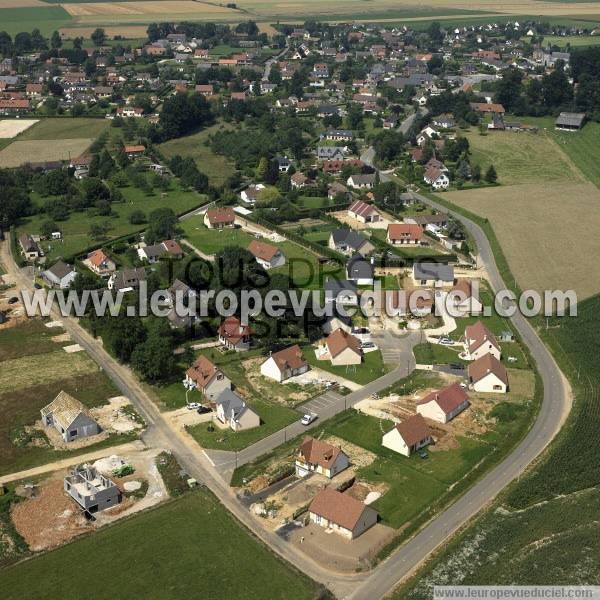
{"x": 548, "y": 232}
{"x": 24, "y": 151}
{"x": 10, "y": 128}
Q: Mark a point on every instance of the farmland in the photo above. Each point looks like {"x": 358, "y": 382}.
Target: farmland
{"x": 543, "y": 528}
{"x": 10, "y": 128}
{"x": 26, "y": 349}
{"x": 65, "y": 129}
{"x": 31, "y": 151}
{"x": 27, "y": 16}
{"x": 202, "y": 532}
{"x": 521, "y": 157}
{"x": 529, "y": 222}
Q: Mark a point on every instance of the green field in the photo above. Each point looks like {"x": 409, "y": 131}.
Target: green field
{"x": 33, "y": 370}
{"x": 215, "y": 166}
{"x": 371, "y": 368}
{"x": 75, "y": 229}
{"x": 520, "y": 157}
{"x": 26, "y": 18}
{"x": 582, "y": 148}
{"x": 212, "y": 241}
{"x": 64, "y": 129}
{"x": 186, "y": 548}
{"x": 572, "y": 40}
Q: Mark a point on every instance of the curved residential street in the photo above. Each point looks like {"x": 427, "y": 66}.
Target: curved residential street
{"x": 384, "y": 578}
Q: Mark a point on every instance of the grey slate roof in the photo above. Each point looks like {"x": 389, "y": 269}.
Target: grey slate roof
{"x": 359, "y": 268}
{"x": 334, "y": 286}
{"x": 432, "y": 270}
{"x": 60, "y": 269}
{"x": 348, "y": 237}
{"x": 567, "y": 119}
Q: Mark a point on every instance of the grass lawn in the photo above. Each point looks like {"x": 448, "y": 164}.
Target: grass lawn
{"x": 312, "y": 201}
{"x": 572, "y": 40}
{"x": 33, "y": 370}
{"x": 436, "y": 354}
{"x": 75, "y": 229}
{"x": 273, "y": 417}
{"x": 181, "y": 549}
{"x": 521, "y": 157}
{"x": 211, "y": 241}
{"x": 215, "y": 166}
{"x": 372, "y": 366}
{"x": 65, "y": 128}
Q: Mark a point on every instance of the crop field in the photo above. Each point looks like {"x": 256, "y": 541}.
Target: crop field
{"x": 76, "y": 229}
{"x": 65, "y": 129}
{"x": 33, "y": 370}
{"x": 16, "y": 16}
{"x": 572, "y": 40}
{"x": 178, "y": 550}
{"x": 582, "y": 148}
{"x": 545, "y": 528}
{"x": 547, "y": 232}
{"x": 521, "y": 157}
{"x": 10, "y": 128}
{"x": 24, "y": 151}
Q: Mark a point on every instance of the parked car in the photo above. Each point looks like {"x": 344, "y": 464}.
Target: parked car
{"x": 194, "y": 406}
{"x": 456, "y": 366}
{"x": 13, "y": 300}
{"x": 367, "y": 345}
{"x": 445, "y": 341}
{"x": 308, "y": 418}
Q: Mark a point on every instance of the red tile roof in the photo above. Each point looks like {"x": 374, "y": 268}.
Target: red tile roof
{"x": 316, "y": 452}
{"x": 414, "y": 430}
{"x": 338, "y": 508}
{"x": 484, "y": 366}
{"x": 262, "y": 250}
{"x": 405, "y": 231}
{"x": 448, "y": 399}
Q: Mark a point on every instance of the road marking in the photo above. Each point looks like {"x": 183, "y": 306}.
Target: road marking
{"x": 208, "y": 458}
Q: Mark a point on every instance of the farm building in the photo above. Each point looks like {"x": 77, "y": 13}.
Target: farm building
{"x": 567, "y": 121}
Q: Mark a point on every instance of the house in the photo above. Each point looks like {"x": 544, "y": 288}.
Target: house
{"x": 360, "y": 270}
{"x": 465, "y": 301}
{"x": 409, "y": 436}
{"x": 479, "y": 341}
{"x": 567, "y": 121}
{"x": 29, "y": 248}
{"x": 60, "y": 275}
{"x": 233, "y": 411}
{"x": 130, "y": 112}
{"x": 151, "y": 253}
{"x": 338, "y": 135}
{"x": 399, "y": 234}
{"x": 69, "y": 417}
{"x": 266, "y": 255}
{"x": 331, "y": 152}
{"x": 251, "y": 194}
{"x": 487, "y": 108}
{"x": 341, "y": 291}
{"x": 91, "y": 490}
{"x": 233, "y": 335}
{"x": 284, "y": 364}
{"x": 173, "y": 248}
{"x": 438, "y": 220}
{"x": 315, "y": 456}
{"x": 126, "y": 280}
{"x": 442, "y": 406}
{"x": 362, "y": 181}
{"x": 399, "y": 303}
{"x": 436, "y": 178}
{"x": 207, "y": 378}
{"x": 488, "y": 374}
{"x": 364, "y": 212}
{"x": 134, "y": 151}
{"x": 349, "y": 242}
{"x": 283, "y": 164}
{"x": 341, "y": 513}
{"x": 100, "y": 264}
{"x": 432, "y": 274}
{"x": 219, "y": 218}
{"x": 336, "y": 188}
{"x": 341, "y": 348}
{"x": 298, "y": 180}
{"x": 445, "y": 121}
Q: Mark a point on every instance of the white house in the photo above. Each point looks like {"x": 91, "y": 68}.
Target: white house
{"x": 479, "y": 341}
{"x": 436, "y": 178}
{"x": 488, "y": 374}
{"x": 266, "y": 255}
{"x": 409, "y": 436}
{"x": 60, "y": 275}
{"x": 284, "y": 364}
{"x": 319, "y": 457}
{"x": 341, "y": 348}
{"x": 207, "y": 378}
{"x": 341, "y": 513}
{"x": 465, "y": 299}
{"x": 443, "y": 405}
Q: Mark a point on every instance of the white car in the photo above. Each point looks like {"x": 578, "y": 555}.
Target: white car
{"x": 194, "y": 406}
{"x": 445, "y": 342}
{"x": 308, "y": 418}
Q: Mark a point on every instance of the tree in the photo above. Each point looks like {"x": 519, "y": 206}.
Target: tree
{"x": 162, "y": 224}
{"x": 154, "y": 358}
{"x": 510, "y": 88}
{"x": 55, "y": 40}
{"x": 47, "y": 228}
{"x": 122, "y": 334}
{"x": 183, "y": 113}
{"x": 98, "y": 36}
{"x": 137, "y": 217}
{"x": 490, "y": 175}
{"x": 98, "y": 231}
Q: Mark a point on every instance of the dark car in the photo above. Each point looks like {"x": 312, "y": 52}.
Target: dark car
{"x": 37, "y": 286}
{"x": 456, "y": 366}
{"x": 13, "y": 300}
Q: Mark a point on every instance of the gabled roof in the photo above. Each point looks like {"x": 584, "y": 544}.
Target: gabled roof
{"x": 348, "y": 237}
{"x": 97, "y": 257}
{"x": 448, "y": 399}
{"x": 359, "y": 268}
{"x": 404, "y": 231}
{"x": 202, "y": 371}
{"x": 362, "y": 208}
{"x": 232, "y": 403}
{"x": 413, "y": 430}
{"x": 65, "y": 409}
{"x": 333, "y": 287}
{"x": 340, "y": 340}
{"x": 478, "y": 334}
{"x": 433, "y": 271}
{"x": 172, "y": 247}
{"x": 316, "y": 452}
{"x": 223, "y": 214}
{"x": 262, "y": 250}
{"x": 485, "y": 365}
{"x": 60, "y": 270}
{"x": 289, "y": 358}
{"x": 233, "y": 330}
{"x": 338, "y": 508}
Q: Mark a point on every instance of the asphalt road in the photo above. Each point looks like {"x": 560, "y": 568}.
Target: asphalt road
{"x": 554, "y": 410}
